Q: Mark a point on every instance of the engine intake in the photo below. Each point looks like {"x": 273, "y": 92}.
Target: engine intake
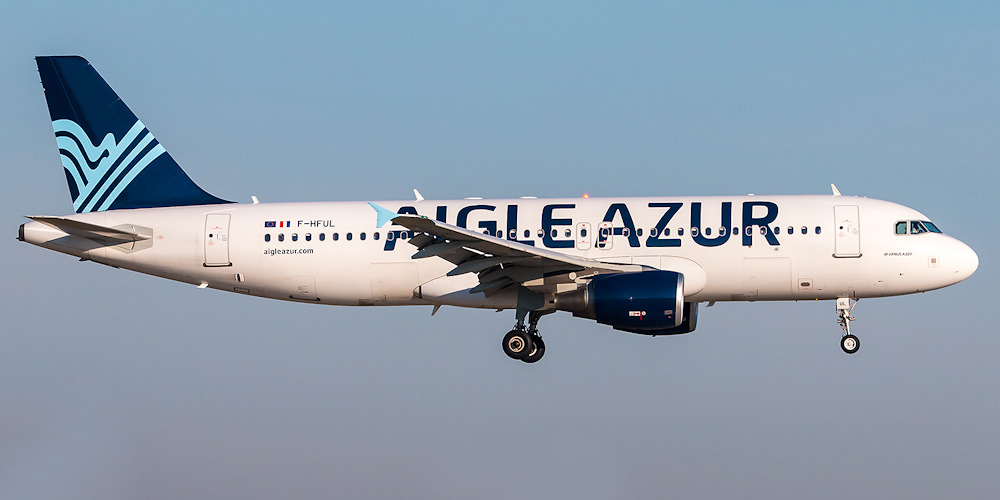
{"x": 648, "y": 302}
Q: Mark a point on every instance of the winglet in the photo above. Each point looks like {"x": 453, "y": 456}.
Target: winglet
{"x": 417, "y": 194}
{"x": 384, "y": 214}
{"x": 836, "y": 192}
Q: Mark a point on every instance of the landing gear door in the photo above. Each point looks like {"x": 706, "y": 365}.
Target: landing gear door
{"x": 583, "y": 236}
{"x": 217, "y": 240}
{"x": 847, "y": 231}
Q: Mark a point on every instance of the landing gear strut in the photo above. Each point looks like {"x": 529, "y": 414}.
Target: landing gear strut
{"x": 849, "y": 343}
{"x": 524, "y": 342}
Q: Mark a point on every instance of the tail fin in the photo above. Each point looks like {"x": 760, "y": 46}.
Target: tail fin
{"x": 111, "y": 160}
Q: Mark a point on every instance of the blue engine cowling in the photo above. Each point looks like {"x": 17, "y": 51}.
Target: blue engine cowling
{"x": 648, "y": 302}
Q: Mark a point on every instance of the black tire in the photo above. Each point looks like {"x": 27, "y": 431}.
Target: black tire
{"x": 537, "y": 351}
{"x": 850, "y": 344}
{"x": 517, "y": 344}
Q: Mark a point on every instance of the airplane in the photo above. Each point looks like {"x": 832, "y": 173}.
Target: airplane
{"x": 638, "y": 265}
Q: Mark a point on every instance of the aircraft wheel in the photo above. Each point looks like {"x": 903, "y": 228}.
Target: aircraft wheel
{"x": 537, "y": 351}
{"x": 850, "y": 344}
{"x": 517, "y": 344}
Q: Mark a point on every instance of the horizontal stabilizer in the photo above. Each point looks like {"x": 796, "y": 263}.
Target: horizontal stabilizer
{"x": 92, "y": 231}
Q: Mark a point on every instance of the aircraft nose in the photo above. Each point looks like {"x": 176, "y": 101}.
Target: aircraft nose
{"x": 966, "y": 262}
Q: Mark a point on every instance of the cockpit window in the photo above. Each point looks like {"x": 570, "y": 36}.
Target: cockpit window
{"x": 916, "y": 227}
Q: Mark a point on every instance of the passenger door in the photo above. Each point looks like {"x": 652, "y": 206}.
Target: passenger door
{"x": 217, "y": 240}
{"x": 847, "y": 231}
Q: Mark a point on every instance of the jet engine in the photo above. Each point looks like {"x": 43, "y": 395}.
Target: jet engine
{"x": 648, "y": 302}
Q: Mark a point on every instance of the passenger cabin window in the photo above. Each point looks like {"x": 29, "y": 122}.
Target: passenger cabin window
{"x": 322, "y": 236}
{"x": 818, "y": 229}
{"x": 309, "y": 236}
{"x": 805, "y": 230}
{"x": 791, "y": 230}
{"x": 336, "y": 236}
{"x": 267, "y": 237}
{"x": 281, "y": 237}
{"x": 295, "y": 236}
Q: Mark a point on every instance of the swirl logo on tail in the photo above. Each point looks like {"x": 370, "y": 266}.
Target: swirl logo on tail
{"x": 102, "y": 171}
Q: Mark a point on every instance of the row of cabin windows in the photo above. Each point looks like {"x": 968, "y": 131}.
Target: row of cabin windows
{"x": 336, "y": 236}
{"x": 604, "y": 232}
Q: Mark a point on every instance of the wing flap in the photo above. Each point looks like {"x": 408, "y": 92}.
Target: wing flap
{"x": 497, "y": 248}
{"x": 500, "y": 263}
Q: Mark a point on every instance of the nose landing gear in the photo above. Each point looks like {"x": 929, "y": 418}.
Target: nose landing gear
{"x": 849, "y": 343}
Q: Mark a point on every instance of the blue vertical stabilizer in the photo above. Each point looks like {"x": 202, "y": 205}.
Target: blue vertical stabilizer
{"x": 110, "y": 159}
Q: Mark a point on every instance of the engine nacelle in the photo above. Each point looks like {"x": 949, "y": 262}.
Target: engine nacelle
{"x": 648, "y": 302}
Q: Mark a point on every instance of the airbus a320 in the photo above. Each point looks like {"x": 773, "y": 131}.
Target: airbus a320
{"x": 639, "y": 265}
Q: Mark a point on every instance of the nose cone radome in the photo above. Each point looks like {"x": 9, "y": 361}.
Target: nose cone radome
{"x": 966, "y": 262}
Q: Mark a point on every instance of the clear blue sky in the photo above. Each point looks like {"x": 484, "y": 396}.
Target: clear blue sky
{"x": 117, "y": 385}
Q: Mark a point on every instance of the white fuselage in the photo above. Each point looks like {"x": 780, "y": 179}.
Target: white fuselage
{"x": 728, "y": 248}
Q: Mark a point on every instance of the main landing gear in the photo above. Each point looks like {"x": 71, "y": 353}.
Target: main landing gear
{"x": 849, "y": 343}
{"x": 524, "y": 342}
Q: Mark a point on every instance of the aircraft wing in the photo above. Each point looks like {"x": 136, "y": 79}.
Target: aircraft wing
{"x": 498, "y": 261}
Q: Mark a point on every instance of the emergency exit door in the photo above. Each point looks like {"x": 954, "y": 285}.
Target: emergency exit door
{"x": 847, "y": 231}
{"x": 217, "y": 240}
{"x": 583, "y": 236}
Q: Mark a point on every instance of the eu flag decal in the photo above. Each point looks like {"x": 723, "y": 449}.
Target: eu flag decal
{"x": 269, "y": 223}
